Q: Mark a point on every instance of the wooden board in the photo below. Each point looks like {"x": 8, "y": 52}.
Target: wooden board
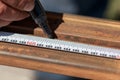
{"x": 70, "y": 28}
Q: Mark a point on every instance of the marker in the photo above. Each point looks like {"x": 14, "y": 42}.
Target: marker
{"x": 39, "y": 16}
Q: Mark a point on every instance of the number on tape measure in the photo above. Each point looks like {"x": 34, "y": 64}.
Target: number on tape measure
{"x": 60, "y": 45}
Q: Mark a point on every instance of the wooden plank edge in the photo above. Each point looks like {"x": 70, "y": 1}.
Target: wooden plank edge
{"x": 55, "y": 68}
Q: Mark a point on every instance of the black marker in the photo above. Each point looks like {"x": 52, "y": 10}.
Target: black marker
{"x": 39, "y": 16}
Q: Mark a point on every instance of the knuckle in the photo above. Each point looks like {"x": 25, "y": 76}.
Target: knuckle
{"x": 11, "y": 2}
{"x": 3, "y": 8}
{"x": 25, "y": 5}
{"x": 2, "y": 24}
{"x": 7, "y": 23}
{"x": 21, "y": 16}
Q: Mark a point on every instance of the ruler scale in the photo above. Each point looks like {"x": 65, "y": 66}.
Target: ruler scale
{"x": 60, "y": 45}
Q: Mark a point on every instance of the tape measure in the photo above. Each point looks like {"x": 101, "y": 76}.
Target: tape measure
{"x": 59, "y": 45}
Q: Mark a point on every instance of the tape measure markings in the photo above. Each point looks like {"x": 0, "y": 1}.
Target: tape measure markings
{"x": 59, "y": 45}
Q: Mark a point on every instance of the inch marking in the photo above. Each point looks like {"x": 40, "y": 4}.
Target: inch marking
{"x": 59, "y": 45}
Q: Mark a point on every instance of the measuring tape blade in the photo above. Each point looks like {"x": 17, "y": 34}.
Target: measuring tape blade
{"x": 59, "y": 45}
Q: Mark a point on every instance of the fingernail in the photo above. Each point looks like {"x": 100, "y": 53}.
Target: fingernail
{"x": 29, "y": 6}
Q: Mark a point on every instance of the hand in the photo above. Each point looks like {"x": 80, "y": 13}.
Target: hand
{"x": 14, "y": 10}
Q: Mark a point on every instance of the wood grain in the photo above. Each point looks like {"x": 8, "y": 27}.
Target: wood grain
{"x": 59, "y": 62}
{"x": 70, "y": 28}
{"x": 75, "y": 28}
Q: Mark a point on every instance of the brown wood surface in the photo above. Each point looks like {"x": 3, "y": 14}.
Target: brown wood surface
{"x": 75, "y": 28}
{"x": 70, "y": 28}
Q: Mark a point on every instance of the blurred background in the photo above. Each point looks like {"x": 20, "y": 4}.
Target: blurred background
{"x": 95, "y": 8}
{"x": 108, "y": 9}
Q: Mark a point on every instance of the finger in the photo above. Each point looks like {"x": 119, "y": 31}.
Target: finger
{"x": 25, "y": 5}
{"x": 4, "y": 23}
{"x": 10, "y": 14}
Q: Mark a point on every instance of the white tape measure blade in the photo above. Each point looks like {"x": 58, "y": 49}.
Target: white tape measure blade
{"x": 59, "y": 45}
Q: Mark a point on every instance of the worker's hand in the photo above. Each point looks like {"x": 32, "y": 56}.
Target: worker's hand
{"x": 14, "y": 10}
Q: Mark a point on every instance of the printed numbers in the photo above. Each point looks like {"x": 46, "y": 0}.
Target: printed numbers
{"x": 31, "y": 43}
{"x": 13, "y": 41}
{"x": 94, "y": 53}
{"x": 75, "y": 50}
{"x": 85, "y": 52}
{"x": 22, "y": 42}
{"x": 67, "y": 49}
{"x": 5, "y": 39}
{"x": 57, "y": 47}
{"x": 40, "y": 45}
{"x": 102, "y": 54}
{"x": 49, "y": 46}
{"x": 112, "y": 56}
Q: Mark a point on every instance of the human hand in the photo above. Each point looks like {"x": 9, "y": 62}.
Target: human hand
{"x": 14, "y": 10}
